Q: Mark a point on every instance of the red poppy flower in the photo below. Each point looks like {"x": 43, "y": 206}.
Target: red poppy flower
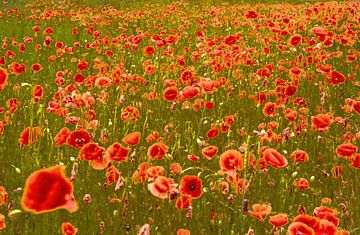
{"x": 170, "y": 94}
{"x": 191, "y": 185}
{"x": 117, "y": 152}
{"x": 213, "y": 132}
{"x": 279, "y": 220}
{"x": 16, "y": 68}
{"x": 151, "y": 137}
{"x": 157, "y": 151}
{"x": 302, "y": 184}
{"x": 230, "y": 161}
{"x": 319, "y": 31}
{"x": 297, "y": 228}
{"x": 308, "y": 220}
{"x": 36, "y": 67}
{"x": 355, "y": 161}
{"x": 355, "y": 106}
{"x": 68, "y": 229}
{"x": 130, "y": 114}
{"x": 38, "y": 91}
{"x": 193, "y": 158}
{"x": 3, "y": 78}
{"x": 187, "y": 77}
{"x": 103, "y": 81}
{"x": 183, "y": 202}
{"x": 260, "y": 211}
{"x": 78, "y": 138}
{"x": 336, "y": 78}
{"x": 82, "y": 65}
{"x": 322, "y": 122}
{"x": 112, "y": 175}
{"x": 150, "y": 69}
{"x": 229, "y": 40}
{"x": 149, "y": 50}
{"x": 132, "y": 139}
{"x": 322, "y": 212}
{"x": 30, "y": 135}
{"x": 2, "y": 222}
{"x": 47, "y": 190}
{"x": 346, "y": 150}
{"x": 290, "y": 114}
{"x": 295, "y": 40}
{"x": 189, "y": 92}
{"x": 140, "y": 174}
{"x": 269, "y": 109}
{"x": 209, "y": 152}
{"x": 61, "y": 136}
{"x": 299, "y": 156}
{"x": 290, "y": 90}
{"x": 154, "y": 171}
{"x": 327, "y": 214}
{"x": 327, "y": 227}
{"x": 274, "y": 158}
{"x": 94, "y": 154}
{"x": 251, "y": 14}
{"x": 182, "y": 231}
{"x": 175, "y": 168}
{"x": 79, "y": 78}
{"x": 3, "y": 196}
{"x": 161, "y": 186}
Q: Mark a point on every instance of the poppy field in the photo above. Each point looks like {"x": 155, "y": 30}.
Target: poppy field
{"x": 179, "y": 117}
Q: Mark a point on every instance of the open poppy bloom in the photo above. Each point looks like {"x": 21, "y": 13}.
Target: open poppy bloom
{"x": 310, "y": 221}
{"x": 274, "y": 158}
{"x": 336, "y": 78}
{"x": 302, "y": 184}
{"x": 157, "y": 151}
{"x": 161, "y": 186}
{"x": 78, "y": 138}
{"x": 154, "y": 171}
{"x": 191, "y": 185}
{"x": 230, "y": 161}
{"x": 295, "y": 40}
{"x": 93, "y": 153}
{"x": 322, "y": 122}
{"x": 279, "y": 220}
{"x": 326, "y": 213}
{"x": 346, "y": 150}
{"x": 117, "y": 152}
{"x": 132, "y": 139}
{"x": 48, "y": 190}
{"x": 61, "y": 136}
{"x": 209, "y": 152}
{"x": 3, "y": 196}
{"x": 355, "y": 161}
{"x": 299, "y": 156}
{"x": 103, "y": 82}
{"x": 112, "y": 175}
{"x": 269, "y": 109}
{"x": 2, "y": 222}
{"x": 170, "y": 94}
{"x": 300, "y": 228}
{"x": 3, "y": 78}
{"x": 68, "y": 229}
{"x": 30, "y": 135}
{"x": 182, "y": 231}
{"x": 260, "y": 211}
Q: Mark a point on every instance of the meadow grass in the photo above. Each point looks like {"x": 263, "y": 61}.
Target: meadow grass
{"x": 137, "y": 205}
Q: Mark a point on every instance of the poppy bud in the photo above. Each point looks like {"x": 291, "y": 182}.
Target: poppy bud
{"x": 87, "y": 199}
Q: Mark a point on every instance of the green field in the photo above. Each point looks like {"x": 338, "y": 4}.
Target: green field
{"x": 262, "y": 79}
